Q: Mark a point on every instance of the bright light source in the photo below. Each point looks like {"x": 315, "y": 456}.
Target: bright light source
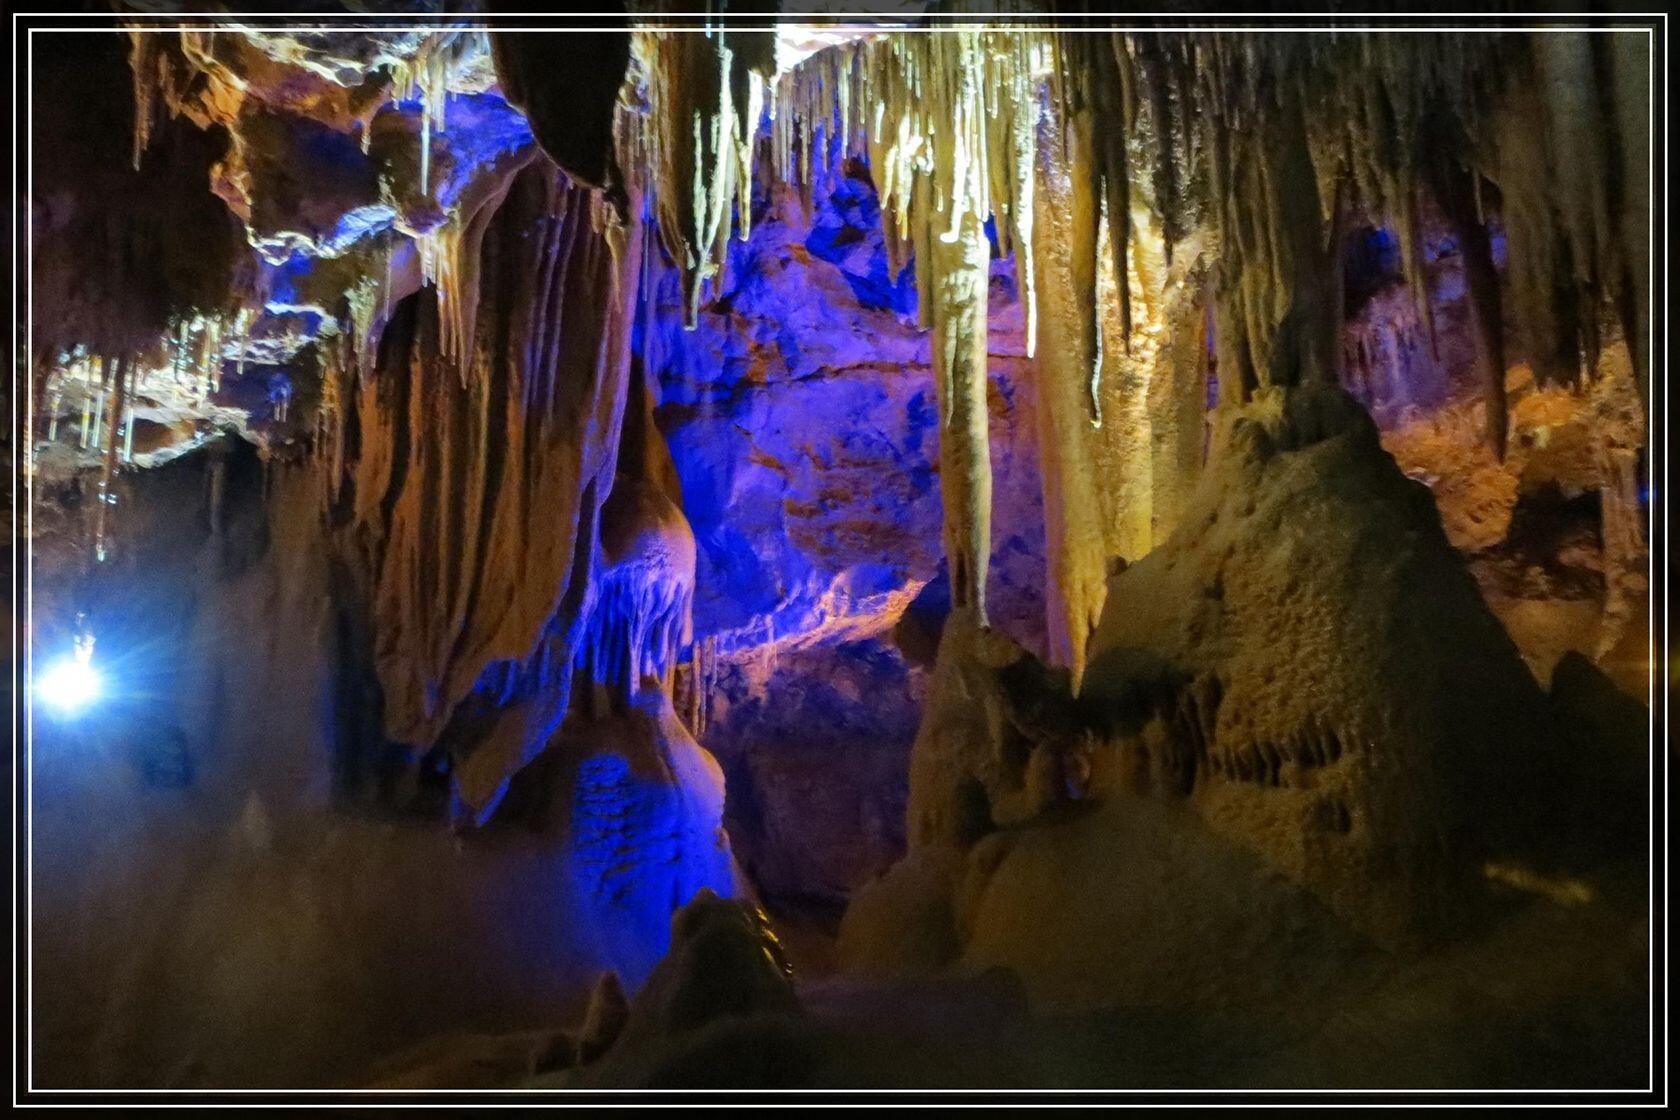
{"x": 67, "y": 686}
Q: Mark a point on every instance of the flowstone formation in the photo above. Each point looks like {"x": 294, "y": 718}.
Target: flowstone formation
{"x": 1370, "y": 777}
{"x": 1123, "y": 510}
{"x": 646, "y": 801}
{"x": 472, "y": 499}
{"x": 1233, "y": 778}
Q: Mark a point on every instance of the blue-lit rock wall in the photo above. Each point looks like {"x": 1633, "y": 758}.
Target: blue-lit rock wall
{"x": 802, "y": 421}
{"x": 801, "y": 415}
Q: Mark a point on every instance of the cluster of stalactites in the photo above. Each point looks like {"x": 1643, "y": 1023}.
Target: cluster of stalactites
{"x": 946, "y": 123}
{"x": 165, "y": 64}
{"x": 705, "y": 93}
{"x": 1272, "y": 142}
{"x": 1269, "y": 142}
{"x": 1568, "y": 148}
{"x": 112, "y": 387}
{"x": 637, "y": 628}
{"x": 426, "y": 78}
{"x": 1541, "y": 135}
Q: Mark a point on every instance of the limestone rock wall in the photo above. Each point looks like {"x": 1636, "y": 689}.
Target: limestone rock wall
{"x": 1332, "y": 691}
{"x": 803, "y": 431}
{"x": 473, "y": 497}
{"x": 1302, "y": 691}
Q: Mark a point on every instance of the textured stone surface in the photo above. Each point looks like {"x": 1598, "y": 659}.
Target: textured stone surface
{"x": 1327, "y": 763}
{"x": 1301, "y": 672}
{"x": 804, "y": 432}
{"x": 802, "y": 421}
{"x": 815, "y": 749}
{"x": 640, "y": 807}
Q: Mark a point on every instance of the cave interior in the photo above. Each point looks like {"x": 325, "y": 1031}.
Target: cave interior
{"x": 751, "y": 551}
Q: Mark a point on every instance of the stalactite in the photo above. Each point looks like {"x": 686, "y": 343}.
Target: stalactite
{"x": 1261, "y": 142}
{"x": 1178, "y": 393}
{"x": 1455, "y": 189}
{"x": 1113, "y": 75}
{"x": 456, "y": 262}
{"x": 102, "y": 516}
{"x": 958, "y": 275}
{"x": 210, "y": 360}
{"x": 705, "y": 94}
{"x": 636, "y": 627}
{"x": 55, "y": 400}
{"x": 1270, "y": 139}
{"x": 128, "y": 427}
{"x": 950, "y": 139}
{"x": 143, "y": 69}
{"x": 1065, "y": 271}
{"x": 434, "y": 95}
{"x": 97, "y": 435}
{"x": 1618, "y": 435}
{"x": 152, "y": 82}
{"x": 1630, "y": 74}
{"x": 1128, "y": 358}
{"x": 1568, "y": 90}
{"x": 87, "y": 412}
{"x": 242, "y": 340}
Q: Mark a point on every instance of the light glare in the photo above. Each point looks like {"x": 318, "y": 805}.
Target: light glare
{"x": 68, "y": 686}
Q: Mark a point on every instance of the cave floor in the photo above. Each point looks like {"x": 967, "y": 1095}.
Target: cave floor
{"x": 1547, "y": 994}
{"x": 1552, "y": 997}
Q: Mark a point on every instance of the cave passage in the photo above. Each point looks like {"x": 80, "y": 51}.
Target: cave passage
{"x": 739, "y": 551}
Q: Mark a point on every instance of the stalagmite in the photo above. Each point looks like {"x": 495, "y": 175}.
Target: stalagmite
{"x": 1454, "y": 189}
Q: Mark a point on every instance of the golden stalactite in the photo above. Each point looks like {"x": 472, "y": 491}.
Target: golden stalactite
{"x": 705, "y": 94}
{"x": 1256, "y": 148}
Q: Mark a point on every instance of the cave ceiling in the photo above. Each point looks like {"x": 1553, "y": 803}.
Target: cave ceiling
{"x": 232, "y": 215}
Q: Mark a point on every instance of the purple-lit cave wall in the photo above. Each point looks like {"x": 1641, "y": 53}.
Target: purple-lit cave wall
{"x": 802, "y": 421}
{"x": 1391, "y": 362}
